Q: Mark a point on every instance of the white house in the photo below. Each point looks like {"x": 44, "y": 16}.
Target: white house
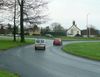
{"x": 73, "y": 30}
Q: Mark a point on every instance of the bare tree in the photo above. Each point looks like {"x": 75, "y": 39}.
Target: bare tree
{"x": 10, "y": 5}
{"x": 14, "y": 28}
{"x": 29, "y": 11}
{"x": 57, "y": 27}
{"x": 1, "y": 3}
{"x": 47, "y": 29}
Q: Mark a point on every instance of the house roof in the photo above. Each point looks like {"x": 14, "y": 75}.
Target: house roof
{"x": 72, "y": 26}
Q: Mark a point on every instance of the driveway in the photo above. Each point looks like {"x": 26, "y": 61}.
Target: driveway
{"x": 52, "y": 62}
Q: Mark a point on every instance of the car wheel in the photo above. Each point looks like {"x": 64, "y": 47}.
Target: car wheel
{"x": 53, "y": 43}
{"x": 35, "y": 48}
{"x": 44, "y": 48}
{"x": 61, "y": 43}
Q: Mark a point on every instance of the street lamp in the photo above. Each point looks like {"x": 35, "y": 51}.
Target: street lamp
{"x": 88, "y": 29}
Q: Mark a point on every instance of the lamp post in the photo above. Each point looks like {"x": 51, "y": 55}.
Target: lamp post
{"x": 87, "y": 25}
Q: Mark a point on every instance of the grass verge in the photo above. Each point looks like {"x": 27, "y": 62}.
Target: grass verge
{"x": 4, "y": 73}
{"x": 9, "y": 43}
{"x": 66, "y": 38}
{"x": 78, "y": 38}
{"x": 90, "y": 50}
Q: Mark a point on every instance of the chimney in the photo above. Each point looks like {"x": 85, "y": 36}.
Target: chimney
{"x": 73, "y": 22}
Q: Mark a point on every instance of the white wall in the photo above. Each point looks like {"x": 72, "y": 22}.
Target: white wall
{"x": 74, "y": 32}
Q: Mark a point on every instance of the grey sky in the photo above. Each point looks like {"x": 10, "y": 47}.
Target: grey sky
{"x": 65, "y": 11}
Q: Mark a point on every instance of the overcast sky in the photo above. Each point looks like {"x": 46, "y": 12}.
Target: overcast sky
{"x": 65, "y": 11}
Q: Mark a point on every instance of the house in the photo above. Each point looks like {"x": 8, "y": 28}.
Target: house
{"x": 73, "y": 30}
{"x": 90, "y": 32}
{"x": 31, "y": 31}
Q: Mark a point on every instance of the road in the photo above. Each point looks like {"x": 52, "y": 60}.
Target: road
{"x": 52, "y": 62}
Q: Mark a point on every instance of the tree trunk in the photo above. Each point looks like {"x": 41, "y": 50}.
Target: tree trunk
{"x": 14, "y": 29}
{"x": 21, "y": 22}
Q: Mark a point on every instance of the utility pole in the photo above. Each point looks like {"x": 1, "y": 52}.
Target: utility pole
{"x": 87, "y": 25}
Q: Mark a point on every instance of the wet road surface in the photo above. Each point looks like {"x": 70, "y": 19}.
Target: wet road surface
{"x": 52, "y": 62}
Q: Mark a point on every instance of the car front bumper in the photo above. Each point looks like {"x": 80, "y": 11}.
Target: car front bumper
{"x": 40, "y": 46}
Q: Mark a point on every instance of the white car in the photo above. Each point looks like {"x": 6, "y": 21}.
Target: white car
{"x": 40, "y": 44}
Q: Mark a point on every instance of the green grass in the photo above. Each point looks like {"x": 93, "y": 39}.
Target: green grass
{"x": 89, "y": 50}
{"x": 9, "y": 43}
{"x": 4, "y": 73}
{"x": 78, "y": 38}
{"x": 66, "y": 38}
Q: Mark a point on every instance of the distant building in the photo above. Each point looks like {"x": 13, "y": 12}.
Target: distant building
{"x": 91, "y": 33}
{"x": 73, "y": 30}
{"x": 30, "y": 31}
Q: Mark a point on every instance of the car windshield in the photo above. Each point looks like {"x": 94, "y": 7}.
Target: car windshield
{"x": 39, "y": 41}
{"x": 42, "y": 41}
